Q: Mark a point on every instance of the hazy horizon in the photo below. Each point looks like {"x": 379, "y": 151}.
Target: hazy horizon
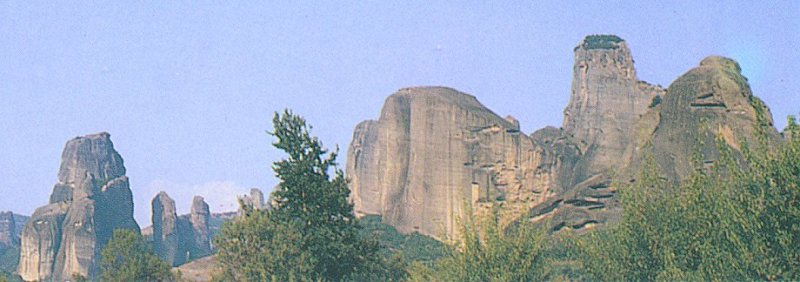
{"x": 187, "y": 91}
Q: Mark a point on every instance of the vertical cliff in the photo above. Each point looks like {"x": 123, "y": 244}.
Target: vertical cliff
{"x": 166, "y": 242}
{"x": 435, "y": 152}
{"x": 8, "y": 232}
{"x": 90, "y": 200}
{"x": 180, "y": 239}
{"x": 606, "y": 100}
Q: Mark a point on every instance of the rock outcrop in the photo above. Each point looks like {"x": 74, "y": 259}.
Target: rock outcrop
{"x": 254, "y": 200}
{"x": 166, "y": 242}
{"x": 435, "y": 149}
{"x": 180, "y": 239}
{"x": 199, "y": 220}
{"x": 605, "y": 102}
{"x": 708, "y": 102}
{"x": 91, "y": 199}
{"x": 8, "y": 230}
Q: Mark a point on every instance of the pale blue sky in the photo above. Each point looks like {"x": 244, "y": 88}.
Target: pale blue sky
{"x": 187, "y": 89}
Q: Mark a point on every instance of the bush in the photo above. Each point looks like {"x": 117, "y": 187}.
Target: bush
{"x": 128, "y": 257}
{"x": 489, "y": 253}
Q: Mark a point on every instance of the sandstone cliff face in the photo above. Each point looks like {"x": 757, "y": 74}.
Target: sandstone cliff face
{"x": 605, "y": 101}
{"x": 90, "y": 200}
{"x": 708, "y": 102}
{"x": 436, "y": 151}
{"x": 180, "y": 239}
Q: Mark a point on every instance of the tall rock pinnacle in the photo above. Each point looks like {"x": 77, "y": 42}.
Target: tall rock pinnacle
{"x": 605, "y": 101}
{"x": 165, "y": 230}
{"x": 91, "y": 199}
{"x": 180, "y": 239}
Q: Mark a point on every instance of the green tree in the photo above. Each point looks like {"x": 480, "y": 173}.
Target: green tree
{"x": 486, "y": 252}
{"x": 311, "y": 218}
{"x": 739, "y": 220}
{"x": 128, "y": 257}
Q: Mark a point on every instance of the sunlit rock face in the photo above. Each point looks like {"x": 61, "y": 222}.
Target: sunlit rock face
{"x": 91, "y": 199}
{"x": 435, "y": 152}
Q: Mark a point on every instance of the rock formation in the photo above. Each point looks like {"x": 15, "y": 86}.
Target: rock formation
{"x": 180, "y": 239}
{"x": 710, "y": 101}
{"x": 199, "y": 219}
{"x": 254, "y": 200}
{"x": 91, "y": 199}
{"x": 8, "y": 232}
{"x": 435, "y": 151}
{"x": 166, "y": 242}
{"x": 605, "y": 101}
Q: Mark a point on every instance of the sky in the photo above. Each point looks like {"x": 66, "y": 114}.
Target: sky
{"x": 187, "y": 89}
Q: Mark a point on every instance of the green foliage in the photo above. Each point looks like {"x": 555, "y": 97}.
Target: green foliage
{"x": 9, "y": 259}
{"x": 411, "y": 247}
{"x": 255, "y": 247}
{"x": 601, "y": 41}
{"x": 655, "y": 102}
{"x": 489, "y": 253}
{"x": 128, "y": 257}
{"x": 311, "y": 233}
{"x": 739, "y": 220}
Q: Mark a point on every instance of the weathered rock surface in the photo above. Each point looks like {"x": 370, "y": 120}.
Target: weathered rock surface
{"x": 708, "y": 102}
{"x": 199, "y": 219}
{"x": 165, "y": 230}
{"x": 91, "y": 199}
{"x": 180, "y": 239}
{"x": 605, "y": 101}
{"x": 8, "y": 230}
{"x": 436, "y": 151}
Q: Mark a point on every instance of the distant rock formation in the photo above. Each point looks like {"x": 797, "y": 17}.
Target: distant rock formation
{"x": 179, "y": 239}
{"x": 91, "y": 199}
{"x": 254, "y": 200}
{"x": 8, "y": 232}
{"x": 433, "y": 149}
{"x": 166, "y": 240}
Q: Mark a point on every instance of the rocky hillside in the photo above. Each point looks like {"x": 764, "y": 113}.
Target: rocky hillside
{"x": 436, "y": 154}
{"x": 90, "y": 200}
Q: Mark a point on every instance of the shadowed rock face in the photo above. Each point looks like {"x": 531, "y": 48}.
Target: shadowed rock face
{"x": 8, "y": 233}
{"x": 90, "y": 200}
{"x": 198, "y": 218}
{"x": 165, "y": 230}
{"x": 710, "y": 101}
{"x": 179, "y": 239}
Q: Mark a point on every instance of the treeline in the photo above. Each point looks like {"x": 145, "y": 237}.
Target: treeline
{"x": 738, "y": 220}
